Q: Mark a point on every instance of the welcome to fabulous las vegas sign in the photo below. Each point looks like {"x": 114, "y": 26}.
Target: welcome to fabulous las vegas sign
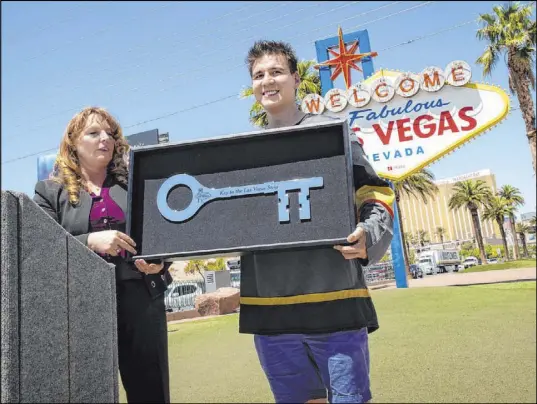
{"x": 406, "y": 121}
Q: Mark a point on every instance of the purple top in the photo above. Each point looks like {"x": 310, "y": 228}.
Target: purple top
{"x": 105, "y": 214}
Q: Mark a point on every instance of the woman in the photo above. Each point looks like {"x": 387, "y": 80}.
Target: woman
{"x": 87, "y": 196}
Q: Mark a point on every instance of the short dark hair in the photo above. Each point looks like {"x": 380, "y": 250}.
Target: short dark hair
{"x": 261, "y": 48}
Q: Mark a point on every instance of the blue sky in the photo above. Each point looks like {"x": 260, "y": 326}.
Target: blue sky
{"x": 144, "y": 60}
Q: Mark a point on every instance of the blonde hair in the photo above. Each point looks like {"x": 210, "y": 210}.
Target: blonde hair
{"x": 67, "y": 170}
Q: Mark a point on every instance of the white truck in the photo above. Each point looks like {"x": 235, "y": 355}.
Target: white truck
{"x": 439, "y": 261}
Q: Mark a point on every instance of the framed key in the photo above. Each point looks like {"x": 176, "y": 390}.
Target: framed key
{"x": 202, "y": 195}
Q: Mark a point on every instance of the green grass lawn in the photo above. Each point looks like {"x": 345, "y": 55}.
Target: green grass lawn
{"x": 503, "y": 265}
{"x": 450, "y": 344}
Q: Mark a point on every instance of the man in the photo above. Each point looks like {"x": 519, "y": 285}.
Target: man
{"x": 310, "y": 310}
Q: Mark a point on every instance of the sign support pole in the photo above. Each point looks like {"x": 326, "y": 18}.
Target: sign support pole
{"x": 398, "y": 252}
{"x": 326, "y": 85}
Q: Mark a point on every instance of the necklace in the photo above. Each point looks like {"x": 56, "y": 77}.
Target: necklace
{"x": 94, "y": 189}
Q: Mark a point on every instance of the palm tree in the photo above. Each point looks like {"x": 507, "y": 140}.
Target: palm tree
{"x": 496, "y": 209}
{"x": 193, "y": 266}
{"x": 521, "y": 230}
{"x": 418, "y": 185}
{"x": 310, "y": 83}
{"x": 511, "y": 31}
{"x": 441, "y": 232}
{"x": 532, "y": 226}
{"x": 472, "y": 195}
{"x": 258, "y": 116}
{"x": 408, "y": 237}
{"x": 514, "y": 198}
{"x": 423, "y": 237}
{"x": 410, "y": 240}
{"x": 198, "y": 265}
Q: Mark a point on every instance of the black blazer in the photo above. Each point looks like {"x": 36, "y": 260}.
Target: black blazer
{"x": 54, "y": 199}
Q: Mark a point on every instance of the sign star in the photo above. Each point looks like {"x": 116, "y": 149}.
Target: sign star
{"x": 345, "y": 60}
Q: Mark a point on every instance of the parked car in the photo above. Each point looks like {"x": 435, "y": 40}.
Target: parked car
{"x": 234, "y": 264}
{"x": 492, "y": 260}
{"x": 416, "y": 271}
{"x": 235, "y": 276}
{"x": 182, "y": 296}
{"x": 470, "y": 262}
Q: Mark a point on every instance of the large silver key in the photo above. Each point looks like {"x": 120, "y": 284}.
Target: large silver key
{"x": 202, "y": 195}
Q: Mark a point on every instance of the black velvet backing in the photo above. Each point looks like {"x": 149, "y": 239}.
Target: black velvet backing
{"x": 244, "y": 223}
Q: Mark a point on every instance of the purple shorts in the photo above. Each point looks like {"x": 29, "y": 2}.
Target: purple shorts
{"x": 302, "y": 367}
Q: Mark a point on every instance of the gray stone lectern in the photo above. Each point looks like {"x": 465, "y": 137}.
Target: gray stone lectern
{"x": 58, "y": 323}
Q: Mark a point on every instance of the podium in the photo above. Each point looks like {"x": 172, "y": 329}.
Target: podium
{"x": 59, "y": 327}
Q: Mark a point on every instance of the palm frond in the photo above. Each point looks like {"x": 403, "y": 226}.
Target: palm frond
{"x": 497, "y": 209}
{"x": 418, "y": 185}
{"x": 486, "y": 19}
{"x": 470, "y": 194}
{"x": 532, "y": 34}
{"x": 488, "y": 59}
{"x": 246, "y": 92}
{"x": 510, "y": 27}
{"x": 522, "y": 228}
{"x": 512, "y": 195}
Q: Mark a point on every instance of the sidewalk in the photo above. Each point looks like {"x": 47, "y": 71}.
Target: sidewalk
{"x": 470, "y": 278}
{"x": 187, "y": 320}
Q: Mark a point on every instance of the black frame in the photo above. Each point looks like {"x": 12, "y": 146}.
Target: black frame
{"x": 134, "y": 153}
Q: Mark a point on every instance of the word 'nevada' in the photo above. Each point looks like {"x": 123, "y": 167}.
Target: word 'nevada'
{"x": 389, "y": 155}
{"x": 382, "y": 90}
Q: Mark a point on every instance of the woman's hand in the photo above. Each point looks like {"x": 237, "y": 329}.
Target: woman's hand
{"x": 110, "y": 242}
{"x": 148, "y": 269}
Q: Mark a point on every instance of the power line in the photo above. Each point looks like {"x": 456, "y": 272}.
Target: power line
{"x": 427, "y": 35}
{"x": 132, "y": 126}
{"x": 131, "y": 67}
{"x": 209, "y": 65}
{"x": 28, "y": 155}
{"x": 233, "y": 95}
{"x": 394, "y": 14}
{"x": 242, "y": 64}
{"x": 42, "y": 28}
{"x": 289, "y": 39}
{"x": 198, "y": 45}
{"x": 242, "y": 41}
{"x": 151, "y": 120}
{"x": 230, "y": 59}
{"x": 151, "y": 42}
{"x": 115, "y": 55}
{"x": 182, "y": 110}
{"x": 144, "y": 15}
{"x": 190, "y": 40}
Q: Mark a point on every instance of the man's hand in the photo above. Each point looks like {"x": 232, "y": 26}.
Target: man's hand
{"x": 148, "y": 269}
{"x": 358, "y": 249}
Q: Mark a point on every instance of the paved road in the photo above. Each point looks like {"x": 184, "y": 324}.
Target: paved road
{"x": 471, "y": 278}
